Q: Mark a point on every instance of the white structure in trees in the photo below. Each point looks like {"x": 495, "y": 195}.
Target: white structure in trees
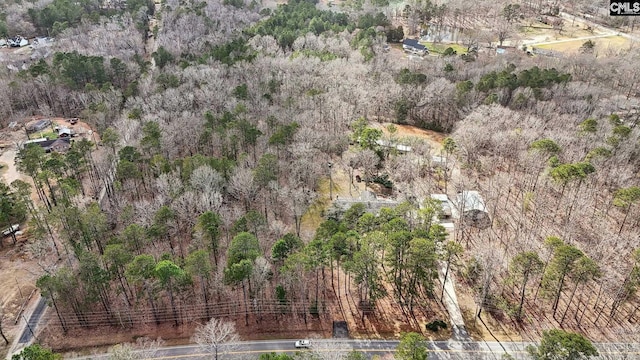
{"x": 472, "y": 208}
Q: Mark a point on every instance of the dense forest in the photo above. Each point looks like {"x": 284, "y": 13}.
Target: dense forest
{"x": 219, "y": 125}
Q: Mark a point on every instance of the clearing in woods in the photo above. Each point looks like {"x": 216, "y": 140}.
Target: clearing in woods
{"x": 604, "y": 46}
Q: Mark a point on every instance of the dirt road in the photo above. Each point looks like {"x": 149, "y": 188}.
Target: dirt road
{"x": 9, "y": 171}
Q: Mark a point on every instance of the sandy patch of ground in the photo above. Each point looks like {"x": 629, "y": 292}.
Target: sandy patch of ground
{"x": 537, "y": 34}
{"x": 434, "y": 138}
{"x": 80, "y": 128}
{"x": 9, "y": 171}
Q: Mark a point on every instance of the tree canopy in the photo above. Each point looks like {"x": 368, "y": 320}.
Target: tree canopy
{"x": 562, "y": 345}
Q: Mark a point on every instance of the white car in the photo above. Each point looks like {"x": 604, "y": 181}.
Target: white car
{"x": 303, "y": 344}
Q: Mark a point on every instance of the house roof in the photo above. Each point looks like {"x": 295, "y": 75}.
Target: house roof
{"x": 440, "y": 197}
{"x": 399, "y": 147}
{"x": 64, "y": 130}
{"x": 38, "y": 140}
{"x": 470, "y": 200}
{"x": 38, "y": 124}
{"x": 413, "y": 43}
{"x": 59, "y": 145}
{"x": 49, "y": 144}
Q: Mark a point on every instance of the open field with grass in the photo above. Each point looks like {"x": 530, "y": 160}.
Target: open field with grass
{"x": 439, "y": 48}
{"x": 544, "y": 33}
{"x": 606, "y": 46}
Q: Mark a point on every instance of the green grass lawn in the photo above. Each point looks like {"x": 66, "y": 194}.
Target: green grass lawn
{"x": 46, "y": 133}
{"x": 439, "y": 48}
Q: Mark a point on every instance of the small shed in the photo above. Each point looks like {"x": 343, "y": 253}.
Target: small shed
{"x": 65, "y": 132}
{"x": 472, "y": 209}
{"x": 37, "y": 125}
{"x": 444, "y": 202}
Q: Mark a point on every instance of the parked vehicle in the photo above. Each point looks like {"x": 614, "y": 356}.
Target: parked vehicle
{"x": 18, "y": 41}
{"x": 303, "y": 344}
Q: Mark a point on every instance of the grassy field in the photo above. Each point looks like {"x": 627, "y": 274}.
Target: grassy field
{"x": 604, "y": 46}
{"x": 440, "y": 48}
{"x": 567, "y": 33}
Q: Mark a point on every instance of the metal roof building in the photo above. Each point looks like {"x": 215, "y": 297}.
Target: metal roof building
{"x": 473, "y": 209}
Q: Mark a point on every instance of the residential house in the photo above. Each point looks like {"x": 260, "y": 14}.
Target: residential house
{"x": 414, "y": 47}
{"x": 60, "y": 145}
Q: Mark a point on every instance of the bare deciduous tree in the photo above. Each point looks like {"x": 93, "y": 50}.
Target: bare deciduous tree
{"x": 205, "y": 180}
{"x": 242, "y": 186}
{"x": 216, "y": 337}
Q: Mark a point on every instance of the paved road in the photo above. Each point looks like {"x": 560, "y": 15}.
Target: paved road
{"x": 437, "y": 349}
{"x": 33, "y": 322}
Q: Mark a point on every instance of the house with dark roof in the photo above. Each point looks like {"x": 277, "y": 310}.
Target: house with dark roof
{"x": 60, "y": 145}
{"x": 414, "y": 47}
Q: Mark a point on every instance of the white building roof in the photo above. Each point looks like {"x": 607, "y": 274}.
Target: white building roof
{"x": 438, "y": 160}
{"x": 399, "y": 147}
{"x": 64, "y": 130}
{"x": 32, "y": 141}
{"x": 440, "y": 197}
{"x": 470, "y": 200}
